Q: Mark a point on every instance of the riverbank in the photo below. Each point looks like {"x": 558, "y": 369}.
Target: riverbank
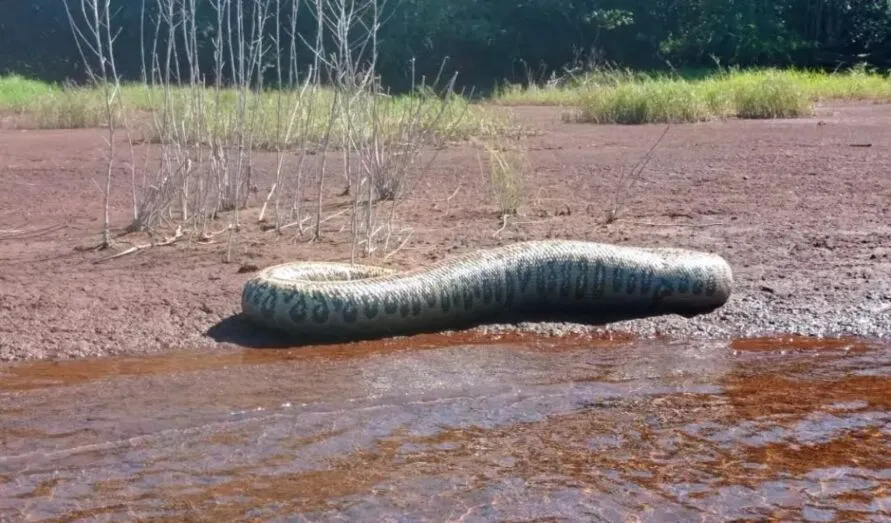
{"x": 801, "y": 208}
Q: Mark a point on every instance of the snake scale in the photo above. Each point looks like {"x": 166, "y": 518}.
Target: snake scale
{"x": 551, "y": 280}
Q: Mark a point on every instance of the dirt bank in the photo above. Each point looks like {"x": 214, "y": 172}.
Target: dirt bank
{"x": 800, "y": 208}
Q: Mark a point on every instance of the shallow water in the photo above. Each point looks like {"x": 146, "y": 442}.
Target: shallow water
{"x": 456, "y": 429}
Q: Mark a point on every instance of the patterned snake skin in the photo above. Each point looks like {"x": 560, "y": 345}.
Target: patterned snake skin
{"x": 555, "y": 280}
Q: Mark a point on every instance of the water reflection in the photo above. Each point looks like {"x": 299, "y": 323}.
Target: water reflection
{"x": 477, "y": 430}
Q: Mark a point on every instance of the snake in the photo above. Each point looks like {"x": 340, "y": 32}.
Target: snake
{"x": 531, "y": 281}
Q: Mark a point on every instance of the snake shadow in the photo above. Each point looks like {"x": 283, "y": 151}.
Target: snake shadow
{"x": 239, "y": 330}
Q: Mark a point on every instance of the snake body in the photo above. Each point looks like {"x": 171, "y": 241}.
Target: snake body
{"x": 553, "y": 280}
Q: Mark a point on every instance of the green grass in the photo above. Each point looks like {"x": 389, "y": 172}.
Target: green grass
{"x": 16, "y": 92}
{"x": 642, "y": 102}
{"x": 603, "y": 96}
{"x": 201, "y": 113}
{"x": 616, "y": 96}
{"x": 198, "y": 113}
{"x": 44, "y": 105}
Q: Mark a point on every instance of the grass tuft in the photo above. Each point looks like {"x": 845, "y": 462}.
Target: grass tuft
{"x": 625, "y": 97}
{"x": 509, "y": 167}
{"x": 642, "y": 102}
{"x": 770, "y": 96}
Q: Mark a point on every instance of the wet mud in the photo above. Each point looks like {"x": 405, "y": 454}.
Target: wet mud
{"x": 461, "y": 428}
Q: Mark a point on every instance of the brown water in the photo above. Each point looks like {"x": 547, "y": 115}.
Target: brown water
{"x": 507, "y": 430}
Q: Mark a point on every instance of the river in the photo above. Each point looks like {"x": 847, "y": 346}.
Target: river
{"x": 455, "y": 429}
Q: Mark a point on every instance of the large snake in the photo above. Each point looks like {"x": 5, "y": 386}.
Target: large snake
{"x": 554, "y": 280}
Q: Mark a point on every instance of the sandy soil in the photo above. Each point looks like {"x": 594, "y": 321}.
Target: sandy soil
{"x": 800, "y": 208}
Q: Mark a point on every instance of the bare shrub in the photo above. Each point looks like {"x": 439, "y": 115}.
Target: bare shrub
{"x": 389, "y": 153}
{"x": 207, "y": 136}
{"x": 382, "y": 137}
{"x": 95, "y": 41}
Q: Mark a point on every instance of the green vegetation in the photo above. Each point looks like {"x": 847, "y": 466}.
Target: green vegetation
{"x": 608, "y": 96}
{"x": 202, "y": 112}
{"x": 602, "y": 96}
{"x": 17, "y": 92}
{"x": 48, "y": 106}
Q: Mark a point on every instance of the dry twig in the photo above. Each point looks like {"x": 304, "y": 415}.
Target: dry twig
{"x": 136, "y": 248}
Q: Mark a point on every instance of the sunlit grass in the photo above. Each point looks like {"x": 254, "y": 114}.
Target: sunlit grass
{"x": 603, "y": 96}
{"x": 643, "y": 102}
{"x": 16, "y": 92}
{"x": 199, "y": 113}
{"x": 620, "y": 96}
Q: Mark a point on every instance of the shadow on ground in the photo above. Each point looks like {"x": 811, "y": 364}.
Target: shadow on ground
{"x": 239, "y": 330}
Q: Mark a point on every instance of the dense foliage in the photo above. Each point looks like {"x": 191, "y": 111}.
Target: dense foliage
{"x": 497, "y": 40}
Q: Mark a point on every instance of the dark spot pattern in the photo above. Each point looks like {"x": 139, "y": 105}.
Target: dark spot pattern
{"x": 488, "y": 291}
{"x": 631, "y": 282}
{"x": 510, "y": 287}
{"x": 297, "y": 312}
{"x": 288, "y": 295}
{"x": 350, "y": 311}
{"x": 405, "y": 308}
{"x": 598, "y": 286}
{"x": 322, "y": 310}
{"x": 618, "y": 279}
{"x": 565, "y": 279}
{"x": 541, "y": 284}
{"x": 468, "y": 296}
{"x": 458, "y": 295}
{"x": 430, "y": 296}
{"x": 524, "y": 274}
{"x": 267, "y": 309}
{"x": 391, "y": 304}
{"x": 581, "y": 281}
{"x": 498, "y": 284}
{"x": 259, "y": 295}
{"x": 646, "y": 280}
{"x": 336, "y": 303}
{"x": 664, "y": 288}
{"x": 370, "y": 306}
{"x": 445, "y": 303}
{"x": 684, "y": 283}
{"x": 415, "y": 304}
{"x": 552, "y": 275}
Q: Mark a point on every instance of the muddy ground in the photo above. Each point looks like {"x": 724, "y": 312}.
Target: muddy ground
{"x": 800, "y": 208}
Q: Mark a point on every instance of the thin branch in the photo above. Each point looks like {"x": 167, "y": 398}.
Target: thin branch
{"x": 636, "y": 170}
{"x": 136, "y": 248}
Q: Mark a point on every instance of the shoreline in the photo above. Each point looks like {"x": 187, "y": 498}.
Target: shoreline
{"x": 802, "y": 216}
